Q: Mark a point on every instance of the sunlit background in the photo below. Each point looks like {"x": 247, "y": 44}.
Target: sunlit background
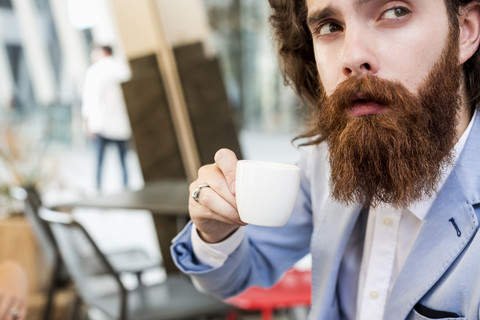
{"x": 45, "y": 50}
{"x": 45, "y": 46}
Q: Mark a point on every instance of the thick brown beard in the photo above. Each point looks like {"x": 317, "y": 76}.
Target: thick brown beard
{"x": 395, "y": 157}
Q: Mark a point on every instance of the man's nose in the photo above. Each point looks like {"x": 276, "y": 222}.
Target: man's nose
{"x": 359, "y": 55}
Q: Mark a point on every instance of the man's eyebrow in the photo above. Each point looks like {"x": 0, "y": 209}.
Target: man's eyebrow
{"x": 324, "y": 13}
{"x": 320, "y": 15}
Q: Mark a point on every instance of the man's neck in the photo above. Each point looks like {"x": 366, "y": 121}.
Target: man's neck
{"x": 464, "y": 117}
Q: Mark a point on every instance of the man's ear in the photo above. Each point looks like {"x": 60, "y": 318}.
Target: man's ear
{"x": 469, "y": 23}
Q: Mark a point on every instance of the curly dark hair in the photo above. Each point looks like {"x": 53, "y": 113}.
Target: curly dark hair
{"x": 297, "y": 61}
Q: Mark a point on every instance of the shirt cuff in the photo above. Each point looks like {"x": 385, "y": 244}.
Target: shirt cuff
{"x": 215, "y": 254}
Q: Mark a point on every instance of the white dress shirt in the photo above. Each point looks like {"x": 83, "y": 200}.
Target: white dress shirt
{"x": 390, "y": 235}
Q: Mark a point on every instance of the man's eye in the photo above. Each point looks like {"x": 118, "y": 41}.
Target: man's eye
{"x": 395, "y": 13}
{"x": 328, "y": 28}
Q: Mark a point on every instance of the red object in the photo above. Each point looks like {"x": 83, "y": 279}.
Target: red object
{"x": 292, "y": 290}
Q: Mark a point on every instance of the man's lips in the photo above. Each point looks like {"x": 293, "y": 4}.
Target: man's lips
{"x": 364, "y": 107}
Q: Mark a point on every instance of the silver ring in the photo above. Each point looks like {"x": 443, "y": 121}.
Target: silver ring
{"x": 15, "y": 314}
{"x": 196, "y": 192}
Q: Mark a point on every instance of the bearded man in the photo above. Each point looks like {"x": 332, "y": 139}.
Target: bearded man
{"x": 389, "y": 200}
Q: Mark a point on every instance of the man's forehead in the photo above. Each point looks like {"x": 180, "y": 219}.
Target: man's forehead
{"x": 313, "y": 4}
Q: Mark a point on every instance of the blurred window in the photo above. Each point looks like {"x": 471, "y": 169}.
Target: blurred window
{"x": 255, "y": 86}
{"x": 23, "y": 97}
{"x": 6, "y": 4}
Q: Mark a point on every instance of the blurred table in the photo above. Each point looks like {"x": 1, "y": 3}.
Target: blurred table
{"x": 167, "y": 200}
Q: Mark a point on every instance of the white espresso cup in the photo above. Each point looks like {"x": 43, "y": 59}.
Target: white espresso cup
{"x": 266, "y": 191}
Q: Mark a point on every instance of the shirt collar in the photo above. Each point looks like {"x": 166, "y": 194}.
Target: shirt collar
{"x": 421, "y": 208}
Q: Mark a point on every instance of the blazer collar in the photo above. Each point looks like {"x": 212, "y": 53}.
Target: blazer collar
{"x": 448, "y": 227}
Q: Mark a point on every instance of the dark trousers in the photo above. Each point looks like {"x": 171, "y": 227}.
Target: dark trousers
{"x": 122, "y": 146}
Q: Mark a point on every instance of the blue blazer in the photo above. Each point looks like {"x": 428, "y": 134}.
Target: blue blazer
{"x": 440, "y": 278}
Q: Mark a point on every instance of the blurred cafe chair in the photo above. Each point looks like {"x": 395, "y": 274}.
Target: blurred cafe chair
{"x": 173, "y": 299}
{"x": 58, "y": 280}
{"x": 131, "y": 260}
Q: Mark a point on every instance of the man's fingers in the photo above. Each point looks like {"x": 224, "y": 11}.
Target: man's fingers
{"x": 226, "y": 161}
{"x": 206, "y": 213}
{"x": 5, "y": 306}
{"x": 17, "y": 310}
{"x": 214, "y": 178}
{"x": 212, "y": 204}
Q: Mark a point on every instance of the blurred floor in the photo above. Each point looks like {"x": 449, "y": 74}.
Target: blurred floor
{"x": 75, "y": 171}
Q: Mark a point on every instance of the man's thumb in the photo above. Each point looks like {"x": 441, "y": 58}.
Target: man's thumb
{"x": 226, "y": 160}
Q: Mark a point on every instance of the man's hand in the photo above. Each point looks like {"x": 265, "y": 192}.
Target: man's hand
{"x": 215, "y": 214}
{"x": 13, "y": 291}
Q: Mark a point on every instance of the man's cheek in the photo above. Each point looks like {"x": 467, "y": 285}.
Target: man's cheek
{"x": 327, "y": 85}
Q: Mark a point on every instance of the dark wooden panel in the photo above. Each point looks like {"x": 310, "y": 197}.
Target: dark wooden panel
{"x": 153, "y": 132}
{"x": 207, "y": 102}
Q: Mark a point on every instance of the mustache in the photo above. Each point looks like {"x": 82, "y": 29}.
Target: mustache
{"x": 368, "y": 88}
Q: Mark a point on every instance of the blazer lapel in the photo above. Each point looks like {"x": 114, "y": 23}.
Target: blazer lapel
{"x": 447, "y": 229}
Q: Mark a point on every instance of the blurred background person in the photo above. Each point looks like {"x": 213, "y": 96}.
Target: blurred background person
{"x": 103, "y": 108}
{"x": 13, "y": 291}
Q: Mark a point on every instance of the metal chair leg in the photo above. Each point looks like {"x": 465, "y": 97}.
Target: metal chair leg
{"x": 47, "y": 312}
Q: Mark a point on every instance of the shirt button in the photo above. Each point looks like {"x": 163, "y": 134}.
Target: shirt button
{"x": 374, "y": 294}
{"x": 387, "y": 221}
